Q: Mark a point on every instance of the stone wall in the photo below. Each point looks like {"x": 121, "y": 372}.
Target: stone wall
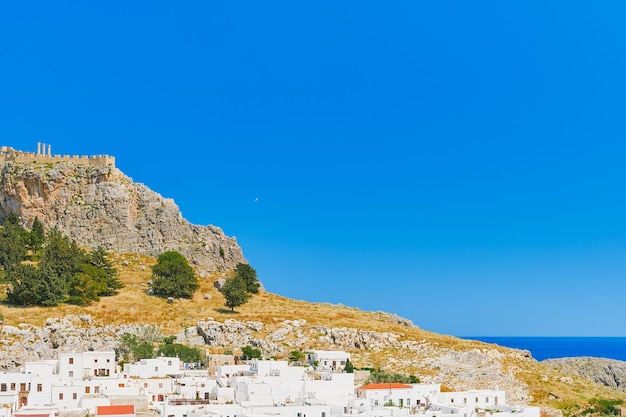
{"x": 44, "y": 155}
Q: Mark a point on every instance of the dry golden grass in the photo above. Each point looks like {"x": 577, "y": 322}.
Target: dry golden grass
{"x": 133, "y": 305}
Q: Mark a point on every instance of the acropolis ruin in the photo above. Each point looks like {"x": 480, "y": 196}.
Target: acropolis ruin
{"x": 44, "y": 154}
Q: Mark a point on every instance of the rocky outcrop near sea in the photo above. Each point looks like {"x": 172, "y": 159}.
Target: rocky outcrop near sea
{"x": 100, "y": 206}
{"x": 608, "y": 372}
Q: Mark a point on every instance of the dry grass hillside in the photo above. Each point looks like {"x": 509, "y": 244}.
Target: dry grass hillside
{"x": 133, "y": 305}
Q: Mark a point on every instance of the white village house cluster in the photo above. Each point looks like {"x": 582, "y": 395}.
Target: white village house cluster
{"x": 91, "y": 383}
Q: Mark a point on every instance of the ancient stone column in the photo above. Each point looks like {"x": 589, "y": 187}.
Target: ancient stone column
{"x": 49, "y": 150}
{"x": 38, "y": 148}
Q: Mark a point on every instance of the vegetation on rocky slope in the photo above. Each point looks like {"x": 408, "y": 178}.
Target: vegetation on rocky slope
{"x": 376, "y": 340}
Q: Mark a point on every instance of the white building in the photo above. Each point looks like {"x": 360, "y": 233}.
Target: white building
{"x": 153, "y": 368}
{"x": 78, "y": 365}
{"x": 329, "y": 360}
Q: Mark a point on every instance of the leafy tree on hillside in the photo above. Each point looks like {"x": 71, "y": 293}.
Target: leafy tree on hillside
{"x": 131, "y": 348}
{"x": 108, "y": 277}
{"x": 13, "y": 238}
{"x": 248, "y": 274}
{"x": 185, "y": 353}
{"x": 234, "y": 290}
{"x": 86, "y": 285}
{"x": 25, "y": 285}
{"x": 65, "y": 272}
{"x": 378, "y": 376}
{"x": 248, "y": 352}
{"x": 61, "y": 255}
{"x": 173, "y": 277}
{"x": 30, "y": 285}
{"x": 36, "y": 236}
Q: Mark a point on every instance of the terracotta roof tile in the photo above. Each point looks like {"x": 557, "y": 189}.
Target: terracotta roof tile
{"x": 111, "y": 410}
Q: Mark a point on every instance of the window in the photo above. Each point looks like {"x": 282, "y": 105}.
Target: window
{"x": 95, "y": 361}
{"x": 121, "y": 385}
{"x": 476, "y": 400}
{"x": 87, "y": 389}
{"x": 71, "y": 361}
{"x": 495, "y": 400}
{"x": 74, "y": 395}
{"x": 60, "y": 395}
{"x": 3, "y": 387}
{"x": 169, "y": 363}
{"x": 96, "y": 389}
{"x": 486, "y": 400}
{"x": 39, "y": 387}
{"x": 70, "y": 374}
{"x": 23, "y": 387}
{"x": 160, "y": 385}
{"x": 12, "y": 386}
{"x": 145, "y": 385}
{"x": 452, "y": 400}
{"x": 464, "y": 400}
{"x": 108, "y": 360}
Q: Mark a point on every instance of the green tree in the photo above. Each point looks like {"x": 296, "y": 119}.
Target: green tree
{"x": 380, "y": 376}
{"x": 36, "y": 236}
{"x": 29, "y": 285}
{"x": 248, "y": 274}
{"x": 296, "y": 356}
{"x": 185, "y": 353}
{"x": 61, "y": 255}
{"x": 234, "y": 291}
{"x": 86, "y": 285}
{"x": 108, "y": 277}
{"x": 131, "y": 348}
{"x": 13, "y": 239}
{"x": 248, "y": 352}
{"x": 173, "y": 277}
{"x": 349, "y": 368}
{"x": 25, "y": 285}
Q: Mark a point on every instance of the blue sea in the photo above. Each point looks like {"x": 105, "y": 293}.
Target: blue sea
{"x": 562, "y": 347}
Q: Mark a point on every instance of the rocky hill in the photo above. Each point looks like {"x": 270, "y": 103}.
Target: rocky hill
{"x": 102, "y": 206}
{"x": 99, "y": 205}
{"x": 609, "y": 372}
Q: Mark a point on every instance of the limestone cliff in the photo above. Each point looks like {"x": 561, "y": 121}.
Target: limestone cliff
{"x": 609, "y": 372}
{"x": 100, "y": 206}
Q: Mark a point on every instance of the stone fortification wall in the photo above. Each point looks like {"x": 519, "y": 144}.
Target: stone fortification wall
{"x": 44, "y": 155}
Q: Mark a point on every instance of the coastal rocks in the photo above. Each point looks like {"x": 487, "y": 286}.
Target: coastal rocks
{"x": 609, "y": 372}
{"x": 103, "y": 207}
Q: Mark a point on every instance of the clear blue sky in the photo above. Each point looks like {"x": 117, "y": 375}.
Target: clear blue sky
{"x": 459, "y": 163}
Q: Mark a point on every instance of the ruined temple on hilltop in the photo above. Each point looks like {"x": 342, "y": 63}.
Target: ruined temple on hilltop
{"x": 44, "y": 154}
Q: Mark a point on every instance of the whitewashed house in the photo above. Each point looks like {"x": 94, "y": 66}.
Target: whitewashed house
{"x": 328, "y": 385}
{"x": 67, "y": 396}
{"x": 472, "y": 398}
{"x": 393, "y": 393}
{"x": 153, "y": 368}
{"x": 329, "y": 360}
{"x": 78, "y": 365}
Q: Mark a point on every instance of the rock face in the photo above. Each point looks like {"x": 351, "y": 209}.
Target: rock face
{"x": 100, "y": 206}
{"x": 609, "y": 372}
